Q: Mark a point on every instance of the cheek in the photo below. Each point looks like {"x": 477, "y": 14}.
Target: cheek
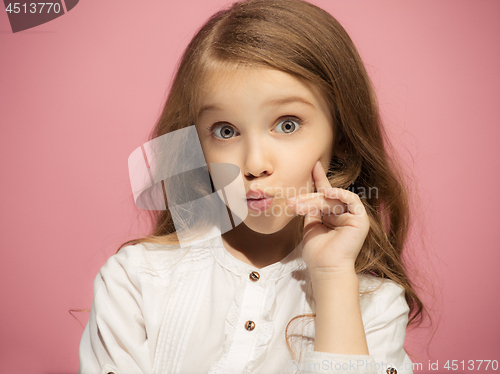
{"x": 209, "y": 149}
{"x": 298, "y": 173}
{"x": 212, "y": 155}
{"x": 298, "y": 162}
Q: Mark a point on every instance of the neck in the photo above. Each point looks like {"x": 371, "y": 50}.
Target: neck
{"x": 260, "y": 250}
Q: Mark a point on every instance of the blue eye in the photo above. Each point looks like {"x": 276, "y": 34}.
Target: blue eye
{"x": 289, "y": 125}
{"x": 224, "y": 131}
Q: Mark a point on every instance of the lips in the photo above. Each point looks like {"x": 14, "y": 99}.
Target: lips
{"x": 257, "y": 194}
{"x": 258, "y": 200}
{"x": 259, "y": 205}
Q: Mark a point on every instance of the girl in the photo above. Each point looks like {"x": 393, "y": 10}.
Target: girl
{"x": 277, "y": 88}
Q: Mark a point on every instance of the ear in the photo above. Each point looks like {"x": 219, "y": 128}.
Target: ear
{"x": 340, "y": 146}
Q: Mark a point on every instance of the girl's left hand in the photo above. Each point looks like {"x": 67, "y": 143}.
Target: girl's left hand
{"x": 331, "y": 243}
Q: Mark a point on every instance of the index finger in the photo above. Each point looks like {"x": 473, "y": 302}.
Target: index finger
{"x": 319, "y": 177}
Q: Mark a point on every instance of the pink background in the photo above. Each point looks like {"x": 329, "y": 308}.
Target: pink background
{"x": 80, "y": 93}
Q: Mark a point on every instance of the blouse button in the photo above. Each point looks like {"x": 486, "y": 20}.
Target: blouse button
{"x": 391, "y": 370}
{"x": 249, "y": 325}
{"x": 254, "y": 276}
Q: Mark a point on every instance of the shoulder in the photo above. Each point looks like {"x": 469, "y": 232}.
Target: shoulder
{"x": 381, "y": 299}
{"x": 143, "y": 252}
{"x": 148, "y": 261}
{"x": 129, "y": 260}
{"x": 133, "y": 256}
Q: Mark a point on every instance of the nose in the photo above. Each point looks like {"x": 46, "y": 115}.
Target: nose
{"x": 257, "y": 160}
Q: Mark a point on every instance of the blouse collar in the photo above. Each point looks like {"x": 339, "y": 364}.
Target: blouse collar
{"x": 279, "y": 269}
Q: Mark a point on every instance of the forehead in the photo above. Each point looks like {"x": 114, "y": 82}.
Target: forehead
{"x": 234, "y": 76}
{"x": 223, "y": 84}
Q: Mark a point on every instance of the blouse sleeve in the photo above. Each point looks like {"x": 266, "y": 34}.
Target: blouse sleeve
{"x": 115, "y": 339}
{"x": 387, "y": 318}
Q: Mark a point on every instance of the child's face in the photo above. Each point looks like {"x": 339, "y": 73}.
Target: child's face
{"x": 274, "y": 127}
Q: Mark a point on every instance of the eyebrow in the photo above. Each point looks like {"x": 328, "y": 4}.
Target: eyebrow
{"x": 281, "y": 101}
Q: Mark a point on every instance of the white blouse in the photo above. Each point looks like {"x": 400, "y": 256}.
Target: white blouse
{"x": 169, "y": 309}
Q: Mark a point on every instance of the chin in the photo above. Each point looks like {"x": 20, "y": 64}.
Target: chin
{"x": 266, "y": 224}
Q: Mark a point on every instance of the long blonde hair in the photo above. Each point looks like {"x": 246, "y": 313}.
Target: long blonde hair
{"x": 303, "y": 40}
